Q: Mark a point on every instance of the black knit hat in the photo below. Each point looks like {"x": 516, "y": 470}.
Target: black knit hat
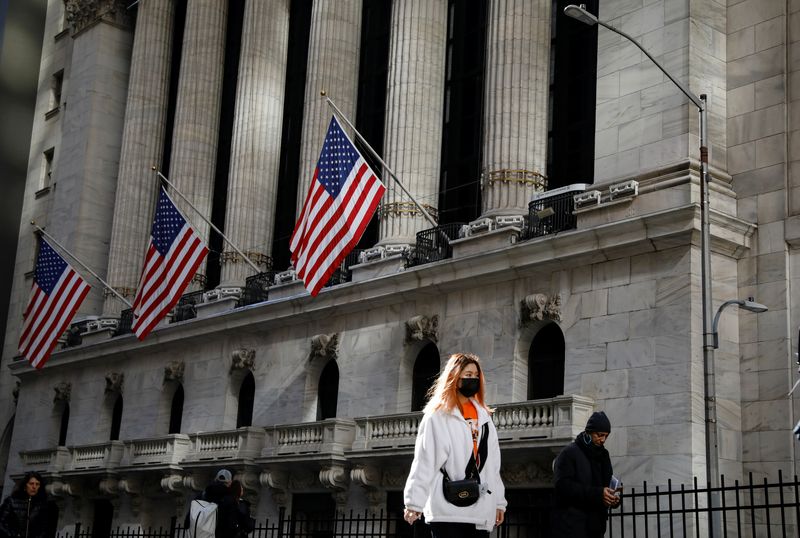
{"x": 598, "y": 422}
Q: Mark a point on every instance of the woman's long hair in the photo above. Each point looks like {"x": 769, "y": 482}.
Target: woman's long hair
{"x": 19, "y": 487}
{"x": 443, "y": 394}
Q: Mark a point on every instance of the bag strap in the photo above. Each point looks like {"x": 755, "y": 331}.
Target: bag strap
{"x": 472, "y": 469}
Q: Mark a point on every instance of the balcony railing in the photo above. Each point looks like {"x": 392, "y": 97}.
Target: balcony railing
{"x": 48, "y": 459}
{"x": 244, "y": 443}
{"x": 433, "y": 244}
{"x": 331, "y": 436}
{"x": 169, "y": 450}
{"x": 388, "y": 431}
{"x": 106, "y": 455}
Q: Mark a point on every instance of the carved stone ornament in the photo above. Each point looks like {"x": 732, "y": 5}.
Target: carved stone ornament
{"x": 63, "y": 391}
{"x": 274, "y": 479}
{"x": 109, "y": 486}
{"x": 367, "y": 476}
{"x": 324, "y": 346}
{"x": 132, "y": 487}
{"x": 173, "y": 483}
{"x": 174, "y": 371}
{"x": 420, "y": 328}
{"x": 301, "y": 479}
{"x": 57, "y": 488}
{"x": 243, "y": 359}
{"x": 394, "y": 476}
{"x": 538, "y": 307}
{"x": 81, "y": 14}
{"x": 114, "y": 381}
{"x": 334, "y": 477}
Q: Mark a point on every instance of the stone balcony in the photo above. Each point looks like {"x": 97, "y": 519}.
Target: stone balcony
{"x": 532, "y": 429}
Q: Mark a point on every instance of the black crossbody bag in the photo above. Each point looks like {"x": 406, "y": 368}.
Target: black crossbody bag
{"x": 466, "y": 492}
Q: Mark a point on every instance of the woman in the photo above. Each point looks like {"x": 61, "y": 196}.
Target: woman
{"x": 27, "y": 512}
{"x": 450, "y": 434}
{"x": 244, "y": 523}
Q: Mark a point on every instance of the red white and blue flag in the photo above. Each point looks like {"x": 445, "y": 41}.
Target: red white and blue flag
{"x": 341, "y": 200}
{"x": 173, "y": 256}
{"x": 57, "y": 293}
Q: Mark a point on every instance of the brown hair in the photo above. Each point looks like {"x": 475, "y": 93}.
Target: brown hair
{"x": 444, "y": 392}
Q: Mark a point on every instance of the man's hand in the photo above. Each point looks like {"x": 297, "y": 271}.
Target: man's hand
{"x": 609, "y": 499}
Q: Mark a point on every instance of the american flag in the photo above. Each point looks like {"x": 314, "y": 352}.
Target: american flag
{"x": 173, "y": 256}
{"x": 56, "y": 295}
{"x": 340, "y": 202}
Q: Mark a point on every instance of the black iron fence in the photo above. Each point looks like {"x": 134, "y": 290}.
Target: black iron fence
{"x": 740, "y": 509}
{"x": 433, "y": 244}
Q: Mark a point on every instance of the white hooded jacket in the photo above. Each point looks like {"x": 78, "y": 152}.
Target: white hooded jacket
{"x": 445, "y": 439}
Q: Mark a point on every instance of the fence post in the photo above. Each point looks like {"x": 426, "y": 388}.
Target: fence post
{"x": 77, "y": 529}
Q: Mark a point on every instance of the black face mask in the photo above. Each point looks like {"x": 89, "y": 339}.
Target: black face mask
{"x": 469, "y": 386}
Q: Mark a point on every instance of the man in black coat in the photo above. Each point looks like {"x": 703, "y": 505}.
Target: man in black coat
{"x": 582, "y": 475}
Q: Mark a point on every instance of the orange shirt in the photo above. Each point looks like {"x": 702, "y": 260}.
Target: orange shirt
{"x": 471, "y": 416}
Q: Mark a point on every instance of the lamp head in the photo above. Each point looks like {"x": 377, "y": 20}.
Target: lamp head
{"x": 580, "y": 13}
{"x": 751, "y": 306}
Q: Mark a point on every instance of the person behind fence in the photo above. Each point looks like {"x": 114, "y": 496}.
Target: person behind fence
{"x": 28, "y": 512}
{"x": 245, "y": 524}
{"x": 455, "y": 476}
{"x": 217, "y": 505}
{"x": 582, "y": 475}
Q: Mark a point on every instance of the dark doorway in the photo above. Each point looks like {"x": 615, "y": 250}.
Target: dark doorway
{"x": 546, "y": 363}
{"x": 103, "y": 516}
{"x": 328, "y": 391}
{"x": 176, "y": 411}
{"x": 247, "y": 393}
{"x": 116, "y": 419}
{"x": 528, "y": 512}
{"x": 312, "y": 514}
{"x": 63, "y": 426}
{"x": 426, "y": 368}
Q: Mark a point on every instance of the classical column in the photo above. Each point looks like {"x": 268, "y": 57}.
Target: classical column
{"x": 414, "y": 107}
{"x": 517, "y": 85}
{"x": 333, "y": 54}
{"x": 255, "y": 151}
{"x": 142, "y": 146}
{"x": 196, "y": 126}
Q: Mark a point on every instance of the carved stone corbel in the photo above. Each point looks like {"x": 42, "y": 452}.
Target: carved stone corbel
{"x": 334, "y": 476}
{"x": 132, "y": 487}
{"x": 325, "y": 346}
{"x": 243, "y": 359}
{"x": 114, "y": 382}
{"x": 109, "y": 486}
{"x": 174, "y": 484}
{"x": 538, "y": 307}
{"x": 420, "y": 328}
{"x": 57, "y": 488}
{"x": 250, "y": 483}
{"x": 301, "y": 480}
{"x": 190, "y": 483}
{"x": 278, "y": 482}
{"x": 369, "y": 478}
{"x": 63, "y": 392}
{"x": 174, "y": 371}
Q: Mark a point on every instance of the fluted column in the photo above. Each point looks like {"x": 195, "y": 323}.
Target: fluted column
{"x": 142, "y": 147}
{"x": 255, "y": 151}
{"x": 414, "y": 107}
{"x": 517, "y": 85}
{"x": 196, "y": 127}
{"x": 333, "y": 54}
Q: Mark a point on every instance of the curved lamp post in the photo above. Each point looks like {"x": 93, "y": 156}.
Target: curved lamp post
{"x": 749, "y": 304}
{"x": 712, "y": 458}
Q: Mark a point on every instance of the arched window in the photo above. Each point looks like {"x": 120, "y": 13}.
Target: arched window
{"x": 63, "y": 426}
{"x": 247, "y": 393}
{"x": 116, "y": 419}
{"x": 176, "y": 411}
{"x": 426, "y": 368}
{"x": 546, "y": 363}
{"x": 328, "y": 391}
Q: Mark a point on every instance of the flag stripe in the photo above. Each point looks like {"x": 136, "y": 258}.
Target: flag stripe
{"x": 56, "y": 294}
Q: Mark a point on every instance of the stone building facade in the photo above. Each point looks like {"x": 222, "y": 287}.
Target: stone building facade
{"x": 312, "y": 402}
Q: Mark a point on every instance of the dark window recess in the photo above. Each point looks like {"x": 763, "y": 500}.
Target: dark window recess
{"x": 573, "y": 89}
{"x": 233, "y": 41}
{"x": 247, "y": 393}
{"x": 176, "y": 411}
{"x": 462, "y": 159}
{"x": 174, "y": 74}
{"x": 371, "y": 105}
{"x": 546, "y": 363}
{"x": 63, "y": 426}
{"x": 291, "y": 131}
{"x": 426, "y": 368}
{"x": 328, "y": 391}
{"x": 103, "y": 517}
{"x": 116, "y": 419}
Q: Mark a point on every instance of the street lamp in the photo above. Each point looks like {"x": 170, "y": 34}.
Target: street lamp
{"x": 749, "y": 304}
{"x": 712, "y": 459}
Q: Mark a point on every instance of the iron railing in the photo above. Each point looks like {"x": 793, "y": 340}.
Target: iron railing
{"x": 125, "y": 322}
{"x": 433, "y": 244}
{"x": 187, "y": 306}
{"x": 256, "y": 288}
{"x": 549, "y": 214}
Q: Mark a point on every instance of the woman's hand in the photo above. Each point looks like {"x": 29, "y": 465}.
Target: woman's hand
{"x": 410, "y": 516}
{"x": 499, "y": 518}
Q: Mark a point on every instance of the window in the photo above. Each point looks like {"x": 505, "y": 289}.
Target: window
{"x": 247, "y": 392}
{"x": 176, "y": 411}
{"x": 546, "y": 363}
{"x": 116, "y": 419}
{"x": 328, "y": 391}
{"x": 47, "y": 168}
{"x": 426, "y": 368}
{"x": 56, "y": 84}
{"x": 63, "y": 426}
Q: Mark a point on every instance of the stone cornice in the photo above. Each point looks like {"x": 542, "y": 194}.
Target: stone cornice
{"x": 82, "y": 14}
{"x": 621, "y": 238}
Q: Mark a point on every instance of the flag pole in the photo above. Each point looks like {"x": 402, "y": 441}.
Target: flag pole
{"x": 339, "y": 113}
{"x": 185, "y": 199}
{"x": 71, "y": 255}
